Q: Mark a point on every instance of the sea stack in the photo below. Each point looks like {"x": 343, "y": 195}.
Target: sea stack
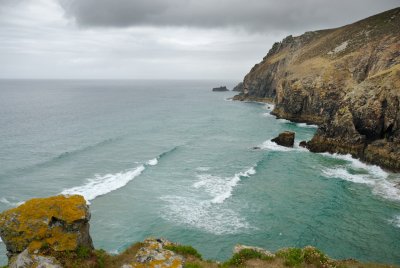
{"x": 285, "y": 138}
{"x": 220, "y": 89}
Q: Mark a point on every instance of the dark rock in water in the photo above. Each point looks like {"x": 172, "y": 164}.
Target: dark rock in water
{"x": 220, "y": 89}
{"x": 256, "y": 148}
{"x": 238, "y": 87}
{"x": 286, "y": 139}
{"x": 303, "y": 144}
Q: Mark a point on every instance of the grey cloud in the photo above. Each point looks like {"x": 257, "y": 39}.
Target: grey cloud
{"x": 257, "y": 15}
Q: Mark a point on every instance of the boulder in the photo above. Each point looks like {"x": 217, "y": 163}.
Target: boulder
{"x": 59, "y": 223}
{"x": 285, "y": 138}
{"x": 27, "y": 260}
{"x": 219, "y": 89}
{"x": 153, "y": 254}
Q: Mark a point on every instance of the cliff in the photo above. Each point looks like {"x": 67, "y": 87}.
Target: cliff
{"x": 346, "y": 80}
{"x": 54, "y": 233}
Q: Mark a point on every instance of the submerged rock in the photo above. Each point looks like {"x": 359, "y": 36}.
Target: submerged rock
{"x": 59, "y": 223}
{"x": 220, "y": 89}
{"x": 285, "y": 138}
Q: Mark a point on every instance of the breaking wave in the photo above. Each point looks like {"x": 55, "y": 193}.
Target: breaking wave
{"x": 358, "y": 172}
{"x": 209, "y": 214}
{"x": 220, "y": 188}
{"x": 104, "y": 184}
{"x": 101, "y": 185}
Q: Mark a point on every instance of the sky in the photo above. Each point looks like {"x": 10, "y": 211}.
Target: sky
{"x": 158, "y": 39}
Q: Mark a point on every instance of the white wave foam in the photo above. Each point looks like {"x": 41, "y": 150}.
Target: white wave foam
{"x": 1, "y": 241}
{"x": 9, "y": 203}
{"x": 376, "y": 178}
{"x": 272, "y": 146}
{"x": 152, "y": 162}
{"x": 395, "y": 221}
{"x": 342, "y": 173}
{"x": 304, "y": 125}
{"x": 102, "y": 185}
{"x": 202, "y": 215}
{"x": 203, "y": 169}
{"x": 357, "y": 164}
{"x": 268, "y": 115}
{"x": 285, "y": 121}
{"x": 221, "y": 188}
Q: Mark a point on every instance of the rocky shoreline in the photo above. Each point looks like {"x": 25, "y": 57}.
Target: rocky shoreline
{"x": 346, "y": 80}
{"x": 54, "y": 233}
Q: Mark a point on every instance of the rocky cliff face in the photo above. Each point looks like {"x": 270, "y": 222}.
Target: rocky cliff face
{"x": 347, "y": 80}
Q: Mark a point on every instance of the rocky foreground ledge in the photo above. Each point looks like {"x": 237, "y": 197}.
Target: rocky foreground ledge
{"x": 346, "y": 80}
{"x": 54, "y": 233}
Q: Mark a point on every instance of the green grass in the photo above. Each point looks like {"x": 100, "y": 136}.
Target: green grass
{"x": 239, "y": 259}
{"x": 192, "y": 265}
{"x": 184, "y": 250}
{"x": 83, "y": 252}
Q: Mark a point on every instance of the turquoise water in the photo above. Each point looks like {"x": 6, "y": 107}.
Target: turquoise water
{"x": 173, "y": 159}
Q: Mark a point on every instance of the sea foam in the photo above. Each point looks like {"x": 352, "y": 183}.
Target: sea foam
{"x": 395, "y": 221}
{"x": 9, "y": 203}
{"x": 209, "y": 214}
{"x": 304, "y": 125}
{"x": 101, "y": 185}
{"x": 203, "y": 215}
{"x": 373, "y": 176}
{"x": 220, "y": 188}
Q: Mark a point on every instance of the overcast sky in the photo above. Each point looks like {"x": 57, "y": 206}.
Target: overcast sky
{"x": 158, "y": 39}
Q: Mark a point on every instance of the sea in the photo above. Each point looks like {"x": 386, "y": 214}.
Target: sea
{"x": 172, "y": 159}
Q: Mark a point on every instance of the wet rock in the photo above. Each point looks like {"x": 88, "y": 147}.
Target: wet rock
{"x": 265, "y": 252}
{"x": 220, "y": 89}
{"x": 303, "y": 144}
{"x": 285, "y": 138}
{"x": 59, "y": 223}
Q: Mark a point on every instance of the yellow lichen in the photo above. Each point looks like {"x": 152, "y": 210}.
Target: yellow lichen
{"x": 28, "y": 224}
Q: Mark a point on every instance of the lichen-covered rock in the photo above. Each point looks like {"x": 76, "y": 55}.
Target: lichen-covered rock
{"x": 27, "y": 260}
{"x": 285, "y": 138}
{"x": 153, "y": 255}
{"x": 347, "y": 80}
{"x": 59, "y": 223}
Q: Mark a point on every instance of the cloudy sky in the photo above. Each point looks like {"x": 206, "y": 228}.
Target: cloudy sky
{"x": 158, "y": 39}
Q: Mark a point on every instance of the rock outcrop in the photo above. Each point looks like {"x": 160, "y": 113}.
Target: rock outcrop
{"x": 54, "y": 233}
{"x": 59, "y": 223}
{"x": 346, "y": 80}
{"x": 238, "y": 87}
{"x": 220, "y": 89}
{"x": 154, "y": 254}
{"x": 285, "y": 138}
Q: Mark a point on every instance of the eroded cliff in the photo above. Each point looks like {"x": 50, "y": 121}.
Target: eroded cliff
{"x": 347, "y": 80}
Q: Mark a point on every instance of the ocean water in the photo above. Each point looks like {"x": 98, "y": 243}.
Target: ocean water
{"x": 175, "y": 160}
